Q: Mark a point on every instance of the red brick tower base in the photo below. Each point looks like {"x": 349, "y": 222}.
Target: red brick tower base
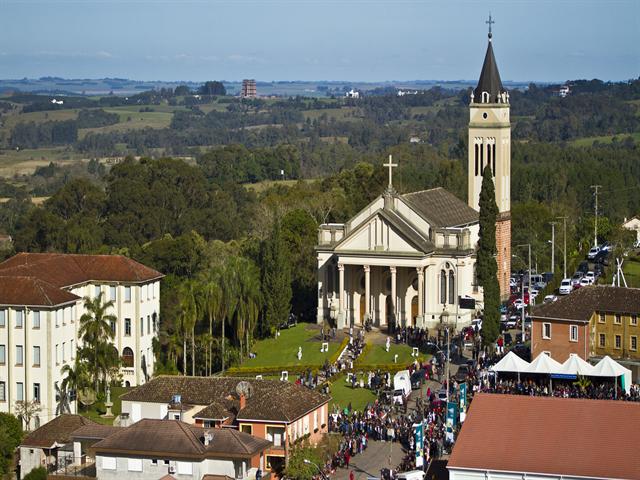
{"x": 503, "y": 247}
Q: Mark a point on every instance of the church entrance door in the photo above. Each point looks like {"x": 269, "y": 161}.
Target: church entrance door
{"x": 363, "y": 306}
{"x": 414, "y": 310}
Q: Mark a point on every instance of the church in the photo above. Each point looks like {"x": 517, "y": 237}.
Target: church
{"x": 410, "y": 259}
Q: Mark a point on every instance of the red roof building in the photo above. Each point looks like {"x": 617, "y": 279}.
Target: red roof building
{"x": 516, "y": 437}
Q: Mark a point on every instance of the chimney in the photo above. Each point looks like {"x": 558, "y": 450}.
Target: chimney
{"x": 243, "y": 402}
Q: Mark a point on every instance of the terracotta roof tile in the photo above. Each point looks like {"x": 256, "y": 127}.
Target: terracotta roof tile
{"x": 64, "y": 270}
{"x": 553, "y": 436}
{"x": 32, "y": 292}
{"x": 441, "y": 208}
{"x": 172, "y": 438}
{"x": 95, "y": 431}
{"x": 582, "y": 303}
{"x": 59, "y": 430}
{"x": 270, "y": 399}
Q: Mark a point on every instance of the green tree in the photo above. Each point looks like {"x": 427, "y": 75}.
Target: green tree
{"x": 487, "y": 268}
{"x": 97, "y": 335}
{"x": 76, "y": 377}
{"x": 39, "y": 473}
{"x": 10, "y": 438}
{"x": 213, "y": 88}
{"x": 276, "y": 280}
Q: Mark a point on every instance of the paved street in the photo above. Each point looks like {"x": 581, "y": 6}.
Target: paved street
{"x": 369, "y": 463}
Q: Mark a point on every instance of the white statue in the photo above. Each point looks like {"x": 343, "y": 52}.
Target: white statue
{"x": 299, "y": 353}
{"x": 387, "y": 345}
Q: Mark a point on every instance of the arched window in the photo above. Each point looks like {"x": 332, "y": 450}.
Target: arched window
{"x": 127, "y": 357}
{"x": 476, "y": 157}
{"x": 452, "y": 287}
{"x": 481, "y": 159}
{"x": 493, "y": 155}
{"x": 443, "y": 287}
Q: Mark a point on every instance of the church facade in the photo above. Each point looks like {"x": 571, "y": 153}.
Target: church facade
{"x": 410, "y": 259}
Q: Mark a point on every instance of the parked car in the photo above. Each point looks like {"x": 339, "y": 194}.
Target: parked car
{"x": 534, "y": 293}
{"x": 566, "y": 287}
{"x": 513, "y": 283}
{"x": 593, "y": 252}
{"x": 518, "y": 304}
{"x": 602, "y": 258}
{"x": 550, "y": 299}
{"x": 591, "y": 276}
{"x": 584, "y": 282}
{"x": 442, "y": 395}
{"x": 575, "y": 280}
{"x": 461, "y": 374}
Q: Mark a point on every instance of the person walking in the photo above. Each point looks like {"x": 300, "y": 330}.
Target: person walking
{"x": 351, "y": 475}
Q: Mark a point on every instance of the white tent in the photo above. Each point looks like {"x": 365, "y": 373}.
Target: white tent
{"x": 574, "y": 365}
{"x": 543, "y": 363}
{"x": 607, "y": 367}
{"x": 510, "y": 363}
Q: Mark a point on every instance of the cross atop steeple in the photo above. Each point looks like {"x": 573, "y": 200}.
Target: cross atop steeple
{"x": 390, "y": 165}
{"x": 490, "y": 22}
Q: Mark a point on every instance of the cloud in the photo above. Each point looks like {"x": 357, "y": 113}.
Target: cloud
{"x": 237, "y": 58}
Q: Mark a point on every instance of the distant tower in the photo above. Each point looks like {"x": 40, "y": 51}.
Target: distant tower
{"x": 490, "y": 144}
{"x": 248, "y": 88}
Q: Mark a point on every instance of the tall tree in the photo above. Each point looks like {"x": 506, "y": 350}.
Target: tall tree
{"x": 230, "y": 290}
{"x": 276, "y": 280}
{"x": 212, "y": 299}
{"x": 487, "y": 268}
{"x": 97, "y": 335}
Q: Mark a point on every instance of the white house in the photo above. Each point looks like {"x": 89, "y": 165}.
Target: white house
{"x": 634, "y": 225}
{"x": 41, "y": 301}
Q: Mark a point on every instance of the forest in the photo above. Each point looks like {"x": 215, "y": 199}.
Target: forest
{"x": 234, "y": 229}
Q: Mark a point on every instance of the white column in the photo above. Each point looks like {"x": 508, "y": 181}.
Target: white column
{"x": 393, "y": 295}
{"x": 367, "y": 290}
{"x": 341, "y": 287}
{"x": 420, "y": 271}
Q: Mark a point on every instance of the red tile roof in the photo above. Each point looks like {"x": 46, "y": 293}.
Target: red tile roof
{"x": 65, "y": 270}
{"x": 547, "y": 435}
{"x": 59, "y": 430}
{"x": 32, "y": 292}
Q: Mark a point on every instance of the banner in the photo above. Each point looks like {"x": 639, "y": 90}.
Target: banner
{"x": 451, "y": 420}
{"x": 419, "y": 446}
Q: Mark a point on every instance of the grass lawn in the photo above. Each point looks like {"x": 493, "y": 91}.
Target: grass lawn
{"x": 282, "y": 351}
{"x": 94, "y": 411}
{"x": 25, "y": 161}
{"x": 377, "y": 355}
{"x": 342, "y": 393}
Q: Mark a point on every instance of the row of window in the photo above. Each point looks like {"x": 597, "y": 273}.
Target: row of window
{"x": 151, "y": 325}
{"x": 135, "y": 465}
{"x": 19, "y": 357}
{"x": 19, "y": 391}
{"x": 573, "y": 332}
{"x": 617, "y": 319}
{"x": 148, "y": 291}
{"x": 479, "y": 156}
{"x": 617, "y": 342}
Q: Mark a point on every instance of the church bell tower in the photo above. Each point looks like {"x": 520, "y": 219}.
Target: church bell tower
{"x": 490, "y": 144}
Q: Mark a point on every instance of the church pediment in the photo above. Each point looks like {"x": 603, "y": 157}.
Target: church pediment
{"x": 385, "y": 231}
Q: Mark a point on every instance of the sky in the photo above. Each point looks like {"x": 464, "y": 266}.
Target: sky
{"x": 352, "y": 40}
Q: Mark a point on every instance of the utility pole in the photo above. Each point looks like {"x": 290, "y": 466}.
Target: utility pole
{"x": 564, "y": 221}
{"x": 595, "y": 226}
{"x": 553, "y": 247}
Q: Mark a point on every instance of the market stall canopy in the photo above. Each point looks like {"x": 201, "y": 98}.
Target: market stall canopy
{"x": 543, "y": 363}
{"x": 608, "y": 367}
{"x": 574, "y": 365}
{"x": 510, "y": 363}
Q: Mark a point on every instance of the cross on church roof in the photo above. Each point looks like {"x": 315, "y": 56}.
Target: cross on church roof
{"x": 489, "y": 22}
{"x": 390, "y": 165}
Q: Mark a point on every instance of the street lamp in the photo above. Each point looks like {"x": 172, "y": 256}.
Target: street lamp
{"x": 309, "y": 462}
{"x": 444, "y": 320}
{"x": 528, "y": 245}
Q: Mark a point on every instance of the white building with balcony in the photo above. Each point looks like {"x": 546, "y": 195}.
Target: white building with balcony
{"x": 402, "y": 260}
{"x": 41, "y": 302}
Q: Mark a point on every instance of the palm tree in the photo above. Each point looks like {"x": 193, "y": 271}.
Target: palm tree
{"x": 95, "y": 330}
{"x": 249, "y": 301}
{"x": 212, "y": 299}
{"x": 75, "y": 379}
{"x": 189, "y": 317}
{"x": 229, "y": 283}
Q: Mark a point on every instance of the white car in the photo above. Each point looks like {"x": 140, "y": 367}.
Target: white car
{"x": 585, "y": 282}
{"x": 534, "y": 293}
{"x": 518, "y": 304}
{"x": 593, "y": 253}
{"x": 591, "y": 276}
{"x": 550, "y": 299}
{"x": 513, "y": 282}
{"x": 566, "y": 287}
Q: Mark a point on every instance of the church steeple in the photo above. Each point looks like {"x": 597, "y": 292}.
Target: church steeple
{"x": 489, "y": 89}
